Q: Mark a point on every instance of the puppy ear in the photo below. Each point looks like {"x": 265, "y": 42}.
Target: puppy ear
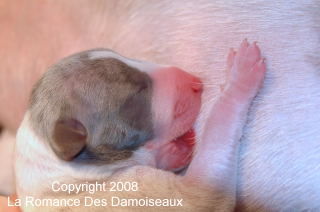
{"x": 69, "y": 138}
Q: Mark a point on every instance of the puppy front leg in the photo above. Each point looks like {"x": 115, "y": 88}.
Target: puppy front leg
{"x": 215, "y": 161}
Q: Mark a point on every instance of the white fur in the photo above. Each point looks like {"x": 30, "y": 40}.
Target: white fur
{"x": 280, "y": 151}
{"x": 51, "y": 168}
{"x": 140, "y": 65}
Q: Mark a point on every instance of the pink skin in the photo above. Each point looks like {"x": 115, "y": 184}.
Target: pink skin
{"x": 249, "y": 61}
{"x": 176, "y": 154}
{"x": 176, "y": 103}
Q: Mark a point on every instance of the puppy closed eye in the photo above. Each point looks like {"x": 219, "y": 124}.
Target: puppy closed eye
{"x": 142, "y": 88}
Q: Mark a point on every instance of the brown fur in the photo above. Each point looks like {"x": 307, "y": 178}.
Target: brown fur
{"x": 79, "y": 93}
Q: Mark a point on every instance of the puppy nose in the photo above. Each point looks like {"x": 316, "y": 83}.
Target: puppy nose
{"x": 196, "y": 85}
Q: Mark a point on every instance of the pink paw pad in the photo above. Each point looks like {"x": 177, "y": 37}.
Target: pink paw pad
{"x": 246, "y": 68}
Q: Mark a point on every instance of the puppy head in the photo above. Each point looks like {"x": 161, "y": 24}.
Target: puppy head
{"x": 99, "y": 107}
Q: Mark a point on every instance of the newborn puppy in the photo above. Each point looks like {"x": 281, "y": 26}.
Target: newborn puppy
{"x": 98, "y": 107}
{"x": 97, "y": 118}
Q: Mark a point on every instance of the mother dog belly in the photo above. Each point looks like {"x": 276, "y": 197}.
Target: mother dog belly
{"x": 280, "y": 150}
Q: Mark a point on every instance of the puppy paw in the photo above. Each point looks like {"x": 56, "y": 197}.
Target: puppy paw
{"x": 246, "y": 69}
{"x": 176, "y": 154}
